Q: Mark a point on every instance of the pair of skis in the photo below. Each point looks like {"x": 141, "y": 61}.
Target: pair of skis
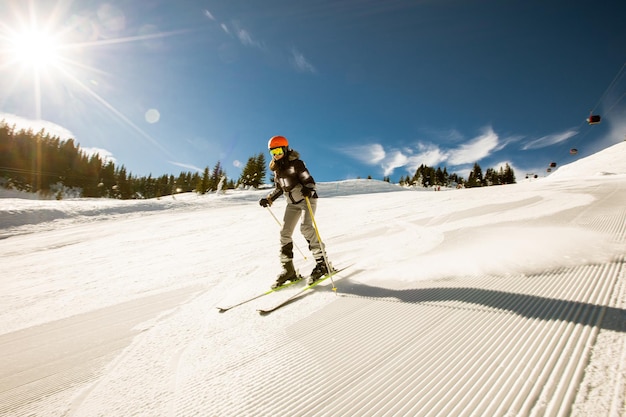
{"x": 284, "y": 302}
{"x": 246, "y": 301}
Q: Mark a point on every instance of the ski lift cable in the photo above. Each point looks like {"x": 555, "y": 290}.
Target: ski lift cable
{"x": 616, "y": 103}
{"x": 608, "y": 89}
{"x": 611, "y": 86}
{"x": 579, "y": 138}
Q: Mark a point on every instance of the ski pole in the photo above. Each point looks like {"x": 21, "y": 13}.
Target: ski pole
{"x": 281, "y": 225}
{"x": 319, "y": 239}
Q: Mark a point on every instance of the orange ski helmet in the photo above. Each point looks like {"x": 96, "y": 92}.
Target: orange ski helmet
{"x": 277, "y": 142}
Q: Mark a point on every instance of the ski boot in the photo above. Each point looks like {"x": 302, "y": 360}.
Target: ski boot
{"x": 288, "y": 274}
{"x": 318, "y": 272}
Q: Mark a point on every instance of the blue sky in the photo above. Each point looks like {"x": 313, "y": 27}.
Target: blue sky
{"x": 359, "y": 88}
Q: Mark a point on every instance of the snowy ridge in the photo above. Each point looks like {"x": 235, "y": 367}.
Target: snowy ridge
{"x": 500, "y": 301}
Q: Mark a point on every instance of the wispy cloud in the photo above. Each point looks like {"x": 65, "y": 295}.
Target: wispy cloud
{"x": 297, "y": 60}
{"x": 367, "y": 154}
{"x": 502, "y": 165}
{"x": 187, "y": 166}
{"x": 548, "y": 140}
{"x": 208, "y": 14}
{"x": 301, "y": 63}
{"x": 243, "y": 35}
{"x": 245, "y": 38}
{"x": 456, "y": 156}
{"x": 429, "y": 154}
{"x": 476, "y": 149}
{"x": 395, "y": 159}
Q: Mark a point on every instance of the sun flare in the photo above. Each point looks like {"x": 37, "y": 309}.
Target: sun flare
{"x": 34, "y": 48}
{"x": 65, "y": 58}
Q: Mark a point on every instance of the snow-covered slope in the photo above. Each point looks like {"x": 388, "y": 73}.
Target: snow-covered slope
{"x": 609, "y": 161}
{"x": 497, "y": 301}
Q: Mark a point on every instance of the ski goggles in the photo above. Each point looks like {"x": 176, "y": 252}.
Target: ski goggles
{"x": 277, "y": 151}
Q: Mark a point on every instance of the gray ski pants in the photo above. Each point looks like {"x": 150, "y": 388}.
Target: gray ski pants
{"x": 290, "y": 220}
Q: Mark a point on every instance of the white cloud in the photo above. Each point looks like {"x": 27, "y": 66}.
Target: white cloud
{"x": 519, "y": 172}
{"x": 502, "y": 165}
{"x": 245, "y": 37}
{"x": 301, "y": 63}
{"x": 36, "y": 125}
{"x": 396, "y": 159}
{"x": 54, "y": 130}
{"x": 297, "y": 59}
{"x": 368, "y": 154}
{"x": 429, "y": 154}
{"x": 548, "y": 140}
{"x": 208, "y": 14}
{"x": 475, "y": 150}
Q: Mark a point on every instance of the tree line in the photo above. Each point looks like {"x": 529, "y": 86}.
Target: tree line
{"x": 39, "y": 162}
{"x": 426, "y": 176}
{"x": 42, "y": 163}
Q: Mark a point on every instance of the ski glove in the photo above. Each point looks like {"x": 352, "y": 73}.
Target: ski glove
{"x": 265, "y": 202}
{"x": 307, "y": 192}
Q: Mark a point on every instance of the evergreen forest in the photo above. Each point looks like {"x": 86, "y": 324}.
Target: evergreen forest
{"x": 42, "y": 163}
{"x": 426, "y": 176}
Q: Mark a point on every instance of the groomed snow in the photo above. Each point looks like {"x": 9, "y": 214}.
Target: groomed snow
{"x": 109, "y": 307}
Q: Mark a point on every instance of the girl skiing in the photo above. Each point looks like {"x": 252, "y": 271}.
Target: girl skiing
{"x": 293, "y": 180}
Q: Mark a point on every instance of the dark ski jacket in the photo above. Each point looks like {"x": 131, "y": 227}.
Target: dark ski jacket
{"x": 290, "y": 175}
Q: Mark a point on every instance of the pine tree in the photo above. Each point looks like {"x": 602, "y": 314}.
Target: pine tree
{"x": 202, "y": 184}
{"x": 216, "y": 176}
{"x": 107, "y": 179}
{"x": 261, "y": 166}
{"x": 491, "y": 177}
{"x": 439, "y": 178}
{"x": 475, "y": 178}
{"x": 124, "y": 183}
{"x": 508, "y": 176}
{"x": 253, "y": 174}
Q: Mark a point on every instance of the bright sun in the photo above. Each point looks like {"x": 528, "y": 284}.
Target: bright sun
{"x": 35, "y": 48}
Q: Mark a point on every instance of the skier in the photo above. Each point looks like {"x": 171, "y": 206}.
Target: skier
{"x": 293, "y": 179}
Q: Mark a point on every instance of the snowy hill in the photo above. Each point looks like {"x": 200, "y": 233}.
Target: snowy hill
{"x": 609, "y": 161}
{"x": 496, "y": 301}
